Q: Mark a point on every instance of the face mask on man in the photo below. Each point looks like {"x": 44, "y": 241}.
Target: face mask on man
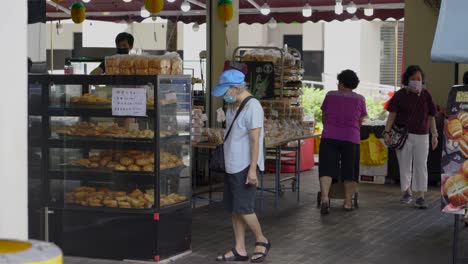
{"x": 415, "y": 85}
{"x": 122, "y": 50}
{"x": 230, "y": 99}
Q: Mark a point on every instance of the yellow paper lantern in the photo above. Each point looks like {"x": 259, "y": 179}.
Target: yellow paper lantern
{"x": 225, "y": 10}
{"x": 154, "y": 6}
{"x": 78, "y": 12}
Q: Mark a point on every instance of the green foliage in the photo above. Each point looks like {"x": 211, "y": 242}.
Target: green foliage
{"x": 374, "y": 107}
{"x": 312, "y": 101}
{"x": 313, "y": 98}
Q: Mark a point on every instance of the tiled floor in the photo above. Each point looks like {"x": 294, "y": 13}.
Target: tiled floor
{"x": 382, "y": 231}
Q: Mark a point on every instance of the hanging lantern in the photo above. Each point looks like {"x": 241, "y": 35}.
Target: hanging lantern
{"x": 154, "y": 6}
{"x": 225, "y": 10}
{"x": 78, "y": 12}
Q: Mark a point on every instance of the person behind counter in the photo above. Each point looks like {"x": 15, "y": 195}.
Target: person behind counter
{"x": 244, "y": 159}
{"x": 343, "y": 113}
{"x": 413, "y": 107}
{"x": 124, "y": 43}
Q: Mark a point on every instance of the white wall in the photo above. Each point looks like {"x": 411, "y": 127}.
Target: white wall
{"x": 193, "y": 44}
{"x": 313, "y": 36}
{"x": 253, "y": 35}
{"x": 37, "y": 42}
{"x": 342, "y": 47}
{"x": 62, "y": 41}
{"x": 13, "y": 115}
{"x": 370, "y": 51}
{"x": 275, "y": 36}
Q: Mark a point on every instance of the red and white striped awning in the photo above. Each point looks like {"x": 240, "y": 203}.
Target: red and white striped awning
{"x": 284, "y": 11}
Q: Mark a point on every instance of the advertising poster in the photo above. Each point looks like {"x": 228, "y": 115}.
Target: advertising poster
{"x": 454, "y": 182}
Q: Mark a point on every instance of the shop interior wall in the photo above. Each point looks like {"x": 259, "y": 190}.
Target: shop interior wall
{"x": 420, "y": 25}
{"x": 13, "y": 115}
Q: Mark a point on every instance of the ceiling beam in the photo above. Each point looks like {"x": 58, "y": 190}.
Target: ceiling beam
{"x": 254, "y": 4}
{"x": 198, "y": 3}
{"x": 58, "y": 6}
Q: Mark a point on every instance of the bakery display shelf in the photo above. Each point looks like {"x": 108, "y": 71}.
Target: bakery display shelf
{"x": 106, "y": 143}
{"x": 174, "y": 207}
{"x": 75, "y": 207}
{"x": 105, "y": 175}
{"x": 94, "y": 111}
{"x": 101, "y": 144}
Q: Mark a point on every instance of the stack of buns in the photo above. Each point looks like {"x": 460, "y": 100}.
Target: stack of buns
{"x": 88, "y": 129}
{"x": 144, "y": 64}
{"x": 103, "y": 197}
{"x": 133, "y": 161}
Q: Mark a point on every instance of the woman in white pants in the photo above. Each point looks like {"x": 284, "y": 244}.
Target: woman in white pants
{"x": 413, "y": 107}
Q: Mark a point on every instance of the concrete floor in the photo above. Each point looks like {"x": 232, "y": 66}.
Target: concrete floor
{"x": 381, "y": 231}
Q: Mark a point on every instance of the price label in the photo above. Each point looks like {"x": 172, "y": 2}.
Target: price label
{"x": 129, "y": 102}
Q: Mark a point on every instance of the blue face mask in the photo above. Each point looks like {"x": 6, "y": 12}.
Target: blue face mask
{"x": 229, "y": 98}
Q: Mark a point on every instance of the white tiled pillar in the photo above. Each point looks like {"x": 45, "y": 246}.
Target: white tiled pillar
{"x": 13, "y": 121}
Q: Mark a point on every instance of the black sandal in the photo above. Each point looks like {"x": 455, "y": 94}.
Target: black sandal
{"x": 267, "y": 247}
{"x": 236, "y": 257}
{"x": 325, "y": 208}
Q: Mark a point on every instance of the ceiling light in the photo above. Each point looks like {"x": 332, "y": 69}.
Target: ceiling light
{"x": 196, "y": 27}
{"x": 171, "y": 1}
{"x": 272, "y": 23}
{"x": 106, "y": 13}
{"x": 144, "y": 13}
{"x": 369, "y": 10}
{"x": 265, "y": 9}
{"x": 351, "y": 8}
{"x": 86, "y": 1}
{"x": 307, "y": 10}
{"x": 185, "y": 6}
{"x": 338, "y": 7}
{"x": 127, "y": 1}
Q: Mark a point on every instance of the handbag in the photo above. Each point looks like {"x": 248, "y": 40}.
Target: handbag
{"x": 217, "y": 155}
{"x": 399, "y": 134}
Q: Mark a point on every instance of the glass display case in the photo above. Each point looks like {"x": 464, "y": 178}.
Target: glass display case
{"x": 114, "y": 164}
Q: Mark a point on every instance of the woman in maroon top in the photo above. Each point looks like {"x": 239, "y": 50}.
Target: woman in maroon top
{"x": 413, "y": 107}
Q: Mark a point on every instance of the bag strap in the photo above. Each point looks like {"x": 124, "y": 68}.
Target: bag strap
{"x": 237, "y": 114}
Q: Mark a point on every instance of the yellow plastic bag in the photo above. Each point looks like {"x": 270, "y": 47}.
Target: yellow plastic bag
{"x": 373, "y": 151}
{"x": 377, "y": 150}
{"x": 364, "y": 152}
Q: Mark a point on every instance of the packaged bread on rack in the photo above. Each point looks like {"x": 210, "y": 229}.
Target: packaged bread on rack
{"x": 176, "y": 63}
{"x": 112, "y": 65}
{"x": 127, "y": 65}
{"x": 141, "y": 65}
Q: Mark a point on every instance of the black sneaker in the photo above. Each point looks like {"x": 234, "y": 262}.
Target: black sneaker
{"x": 420, "y": 203}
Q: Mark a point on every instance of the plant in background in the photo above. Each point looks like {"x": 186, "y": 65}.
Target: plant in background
{"x": 312, "y": 101}
{"x": 375, "y": 108}
{"x": 313, "y": 98}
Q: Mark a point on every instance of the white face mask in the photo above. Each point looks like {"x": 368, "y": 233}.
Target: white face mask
{"x": 415, "y": 85}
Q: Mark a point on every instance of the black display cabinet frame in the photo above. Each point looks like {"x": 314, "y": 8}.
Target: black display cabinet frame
{"x": 155, "y": 233}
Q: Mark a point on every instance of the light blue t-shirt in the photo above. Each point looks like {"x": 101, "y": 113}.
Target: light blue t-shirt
{"x": 237, "y": 146}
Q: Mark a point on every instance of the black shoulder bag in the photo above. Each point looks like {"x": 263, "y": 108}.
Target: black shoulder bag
{"x": 399, "y": 134}
{"x": 217, "y": 155}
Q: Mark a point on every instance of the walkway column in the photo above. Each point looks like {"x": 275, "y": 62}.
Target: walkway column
{"x": 420, "y": 26}
{"x": 221, "y": 42}
{"x": 13, "y": 118}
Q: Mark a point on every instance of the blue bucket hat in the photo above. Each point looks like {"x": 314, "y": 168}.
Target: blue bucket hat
{"x": 228, "y": 79}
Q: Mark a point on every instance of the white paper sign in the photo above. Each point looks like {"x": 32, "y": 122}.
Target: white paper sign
{"x": 129, "y": 102}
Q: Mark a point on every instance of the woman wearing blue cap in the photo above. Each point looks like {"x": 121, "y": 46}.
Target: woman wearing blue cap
{"x": 243, "y": 156}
